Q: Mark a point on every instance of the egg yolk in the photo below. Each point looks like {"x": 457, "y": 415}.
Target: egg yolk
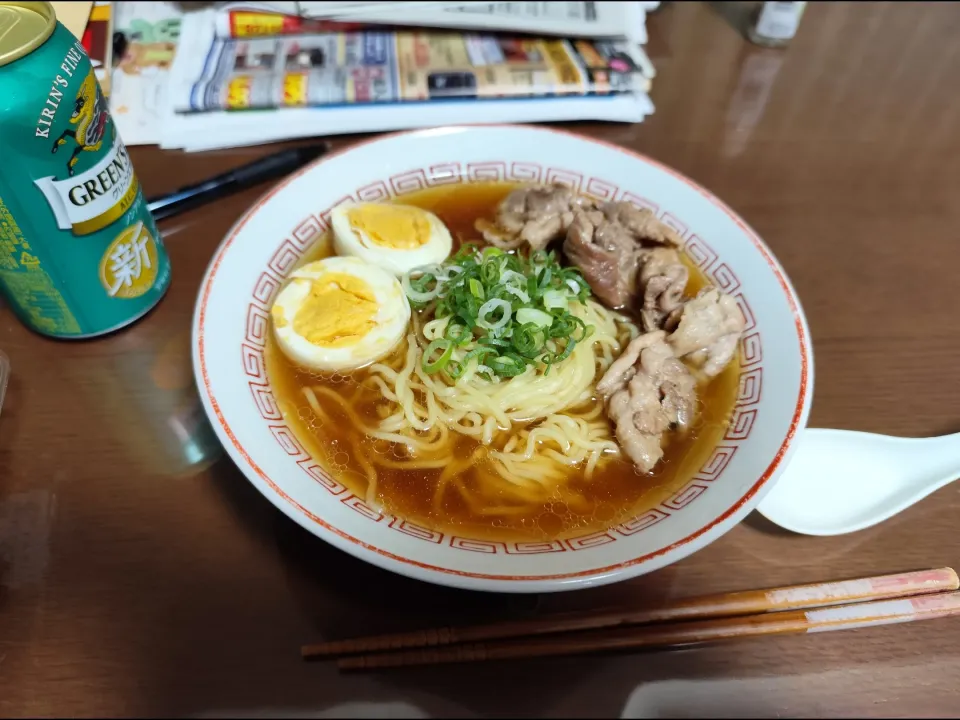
{"x": 338, "y": 311}
{"x": 400, "y": 227}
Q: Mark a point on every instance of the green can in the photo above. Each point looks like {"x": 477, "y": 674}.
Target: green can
{"x": 80, "y": 254}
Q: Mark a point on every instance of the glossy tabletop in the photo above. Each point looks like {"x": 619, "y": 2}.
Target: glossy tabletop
{"x": 140, "y": 573}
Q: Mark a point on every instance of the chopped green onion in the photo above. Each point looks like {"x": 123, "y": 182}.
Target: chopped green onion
{"x": 585, "y": 329}
{"x": 524, "y": 298}
{"x": 476, "y": 289}
{"x": 442, "y": 309}
{"x": 507, "y": 311}
{"x": 563, "y": 325}
{"x": 555, "y": 299}
{"x": 489, "y": 308}
{"x": 446, "y": 352}
{"x": 490, "y": 271}
{"x": 494, "y": 342}
{"x": 554, "y": 358}
{"x": 458, "y": 334}
{"x": 532, "y": 315}
{"x": 416, "y": 288}
{"x": 512, "y": 277}
{"x": 479, "y": 352}
{"x": 533, "y": 290}
{"x": 455, "y": 369}
{"x": 545, "y": 277}
{"x": 528, "y": 340}
{"x": 508, "y": 365}
{"x": 468, "y": 311}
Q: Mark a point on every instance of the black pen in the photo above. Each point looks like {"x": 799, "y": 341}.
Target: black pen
{"x": 266, "y": 168}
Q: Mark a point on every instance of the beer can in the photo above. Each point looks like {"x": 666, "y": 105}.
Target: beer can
{"x": 80, "y": 254}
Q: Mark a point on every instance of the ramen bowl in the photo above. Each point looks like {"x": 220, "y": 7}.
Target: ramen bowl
{"x": 232, "y": 326}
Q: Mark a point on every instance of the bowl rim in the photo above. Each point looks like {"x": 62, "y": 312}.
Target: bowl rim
{"x": 424, "y": 571}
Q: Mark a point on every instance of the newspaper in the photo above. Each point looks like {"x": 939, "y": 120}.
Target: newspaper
{"x": 568, "y": 19}
{"x": 150, "y": 32}
{"x": 209, "y": 129}
{"x": 332, "y": 8}
{"x": 387, "y": 67}
{"x": 228, "y": 129}
{"x": 149, "y": 35}
{"x": 242, "y": 22}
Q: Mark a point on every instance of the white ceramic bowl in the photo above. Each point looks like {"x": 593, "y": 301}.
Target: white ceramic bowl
{"x": 230, "y": 326}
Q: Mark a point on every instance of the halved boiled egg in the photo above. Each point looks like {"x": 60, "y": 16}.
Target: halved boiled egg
{"x": 339, "y": 314}
{"x": 398, "y": 238}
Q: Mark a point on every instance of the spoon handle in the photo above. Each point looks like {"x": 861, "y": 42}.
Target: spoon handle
{"x": 841, "y": 481}
{"x": 940, "y": 456}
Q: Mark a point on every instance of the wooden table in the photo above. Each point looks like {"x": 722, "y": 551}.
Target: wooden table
{"x": 140, "y": 573}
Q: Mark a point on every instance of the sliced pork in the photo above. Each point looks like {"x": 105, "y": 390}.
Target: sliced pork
{"x": 663, "y": 278}
{"x": 641, "y": 223}
{"x": 709, "y": 329}
{"x": 646, "y": 392}
{"x": 535, "y": 216}
{"x": 608, "y": 256}
{"x": 629, "y": 259}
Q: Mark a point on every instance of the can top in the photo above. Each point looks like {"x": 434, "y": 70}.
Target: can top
{"x": 24, "y": 26}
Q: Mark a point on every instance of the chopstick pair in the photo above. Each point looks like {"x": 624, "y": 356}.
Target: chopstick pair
{"x": 818, "y": 607}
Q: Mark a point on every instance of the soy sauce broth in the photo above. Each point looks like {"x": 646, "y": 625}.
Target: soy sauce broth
{"x": 616, "y": 492}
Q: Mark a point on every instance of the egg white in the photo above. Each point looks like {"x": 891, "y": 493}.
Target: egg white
{"x": 391, "y": 318}
{"x": 350, "y": 242}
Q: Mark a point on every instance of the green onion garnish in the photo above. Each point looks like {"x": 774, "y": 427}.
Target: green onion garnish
{"x": 458, "y": 334}
{"x": 455, "y": 369}
{"x": 506, "y": 311}
{"x": 445, "y": 348}
{"x": 476, "y": 289}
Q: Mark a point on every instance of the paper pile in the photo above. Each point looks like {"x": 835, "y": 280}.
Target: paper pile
{"x": 248, "y": 73}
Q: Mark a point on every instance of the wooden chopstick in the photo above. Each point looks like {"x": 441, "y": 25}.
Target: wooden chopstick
{"x": 793, "y": 597}
{"x": 839, "y": 617}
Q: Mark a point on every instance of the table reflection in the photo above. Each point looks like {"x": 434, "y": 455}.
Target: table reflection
{"x": 143, "y": 386}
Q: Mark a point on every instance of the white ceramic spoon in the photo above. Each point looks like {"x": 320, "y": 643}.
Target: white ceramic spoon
{"x": 840, "y": 481}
